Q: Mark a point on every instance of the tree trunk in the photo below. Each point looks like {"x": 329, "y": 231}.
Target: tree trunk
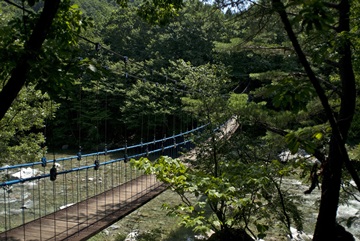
{"x": 326, "y": 227}
{"x": 32, "y": 47}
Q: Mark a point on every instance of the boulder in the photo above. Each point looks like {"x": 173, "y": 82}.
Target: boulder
{"x": 132, "y": 236}
{"x": 25, "y": 173}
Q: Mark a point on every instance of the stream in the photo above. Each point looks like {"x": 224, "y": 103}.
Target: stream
{"x": 348, "y": 213}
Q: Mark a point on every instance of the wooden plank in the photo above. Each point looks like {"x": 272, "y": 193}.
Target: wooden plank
{"x": 43, "y": 229}
{"x": 116, "y": 216}
{"x": 82, "y": 220}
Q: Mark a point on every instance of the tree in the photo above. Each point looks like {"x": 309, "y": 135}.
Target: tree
{"x": 151, "y": 49}
{"x": 39, "y": 45}
{"x": 328, "y": 64}
{"x": 188, "y": 36}
{"x": 35, "y": 59}
{"x": 23, "y": 131}
{"x": 236, "y": 181}
{"x": 59, "y": 23}
{"x": 31, "y": 49}
{"x": 149, "y": 106}
{"x": 340, "y": 123}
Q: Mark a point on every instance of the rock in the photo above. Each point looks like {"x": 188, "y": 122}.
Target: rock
{"x": 301, "y": 154}
{"x": 299, "y": 235}
{"x": 25, "y": 173}
{"x": 132, "y": 236}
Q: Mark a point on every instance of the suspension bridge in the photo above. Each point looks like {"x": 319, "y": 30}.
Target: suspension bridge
{"x": 73, "y": 198}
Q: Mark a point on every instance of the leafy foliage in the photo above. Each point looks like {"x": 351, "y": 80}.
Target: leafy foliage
{"x": 23, "y": 129}
{"x": 221, "y": 64}
{"x": 232, "y": 197}
{"x": 156, "y": 11}
{"x": 206, "y": 90}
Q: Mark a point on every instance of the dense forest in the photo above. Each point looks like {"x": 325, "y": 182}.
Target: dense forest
{"x": 92, "y": 74}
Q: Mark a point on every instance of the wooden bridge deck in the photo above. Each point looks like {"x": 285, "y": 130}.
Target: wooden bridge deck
{"x": 84, "y": 219}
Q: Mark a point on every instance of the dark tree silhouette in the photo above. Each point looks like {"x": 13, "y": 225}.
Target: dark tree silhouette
{"x": 32, "y": 47}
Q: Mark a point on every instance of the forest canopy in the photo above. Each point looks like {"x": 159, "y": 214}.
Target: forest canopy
{"x": 90, "y": 74}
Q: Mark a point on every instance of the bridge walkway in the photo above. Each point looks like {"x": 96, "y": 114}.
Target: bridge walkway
{"x": 84, "y": 219}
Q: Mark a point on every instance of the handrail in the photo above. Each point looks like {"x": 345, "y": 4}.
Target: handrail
{"x": 103, "y": 152}
{"x": 22, "y": 180}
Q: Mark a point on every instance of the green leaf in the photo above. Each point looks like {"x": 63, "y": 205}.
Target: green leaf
{"x": 318, "y": 136}
{"x": 292, "y": 142}
{"x": 261, "y": 228}
{"x": 92, "y": 67}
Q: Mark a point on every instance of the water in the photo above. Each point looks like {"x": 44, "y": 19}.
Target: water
{"x": 348, "y": 213}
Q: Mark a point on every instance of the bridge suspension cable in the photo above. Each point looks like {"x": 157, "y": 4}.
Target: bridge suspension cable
{"x": 64, "y": 213}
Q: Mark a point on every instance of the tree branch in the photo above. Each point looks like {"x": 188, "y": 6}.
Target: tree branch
{"x": 283, "y": 206}
{"x": 32, "y": 48}
{"x": 18, "y": 6}
{"x": 317, "y": 154}
{"x": 336, "y": 131}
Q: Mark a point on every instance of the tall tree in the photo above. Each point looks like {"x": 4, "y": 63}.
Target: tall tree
{"x": 326, "y": 228}
{"x": 321, "y": 35}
